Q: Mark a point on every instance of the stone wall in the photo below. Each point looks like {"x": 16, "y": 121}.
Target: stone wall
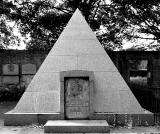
{"x": 17, "y": 68}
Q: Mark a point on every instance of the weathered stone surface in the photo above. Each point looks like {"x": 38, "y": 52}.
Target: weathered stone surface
{"x": 128, "y": 102}
{"x": 10, "y": 69}
{"x": 121, "y": 101}
{"x": 10, "y": 79}
{"x": 47, "y": 102}
{"x": 110, "y": 95}
{"x": 26, "y": 103}
{"x": 26, "y": 79}
{"x": 58, "y": 63}
{"x": 39, "y": 102}
{"x": 77, "y": 94}
{"x": 95, "y": 63}
{"x": 19, "y": 119}
{"x": 111, "y": 80}
{"x": 62, "y": 45}
{"x": 29, "y": 68}
{"x": 44, "y": 82}
{"x": 44, "y": 117}
{"x": 76, "y": 50}
{"x": 76, "y": 126}
{"x": 77, "y": 29}
{"x": 106, "y": 101}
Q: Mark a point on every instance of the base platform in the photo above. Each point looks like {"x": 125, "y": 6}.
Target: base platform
{"x": 76, "y": 126}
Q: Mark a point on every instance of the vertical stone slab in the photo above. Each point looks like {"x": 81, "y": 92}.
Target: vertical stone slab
{"x": 155, "y": 73}
{"x": 10, "y": 79}
{"x": 29, "y": 68}
{"x": 10, "y": 69}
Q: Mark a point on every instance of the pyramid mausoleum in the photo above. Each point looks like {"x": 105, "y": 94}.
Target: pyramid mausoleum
{"x": 77, "y": 80}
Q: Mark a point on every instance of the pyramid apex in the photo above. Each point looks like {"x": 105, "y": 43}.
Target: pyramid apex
{"x": 77, "y": 15}
{"x": 77, "y": 10}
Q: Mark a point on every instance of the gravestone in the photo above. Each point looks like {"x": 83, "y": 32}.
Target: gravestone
{"x": 29, "y": 68}
{"x": 10, "y": 69}
{"x": 77, "y": 80}
{"x": 10, "y": 79}
{"x": 77, "y": 98}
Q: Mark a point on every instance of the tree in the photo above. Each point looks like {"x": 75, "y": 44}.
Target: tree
{"x": 136, "y": 19}
{"x": 7, "y": 37}
{"x": 44, "y": 21}
{"x": 113, "y": 23}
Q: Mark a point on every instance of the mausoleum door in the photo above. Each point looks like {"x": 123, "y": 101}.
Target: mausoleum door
{"x": 77, "y": 98}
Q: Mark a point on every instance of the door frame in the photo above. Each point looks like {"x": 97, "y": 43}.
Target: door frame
{"x": 77, "y": 74}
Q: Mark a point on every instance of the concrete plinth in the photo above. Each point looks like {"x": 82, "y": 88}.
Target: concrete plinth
{"x": 21, "y": 119}
{"x": 76, "y": 126}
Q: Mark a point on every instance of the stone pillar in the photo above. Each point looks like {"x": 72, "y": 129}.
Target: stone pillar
{"x": 125, "y": 68}
{"x": 154, "y": 83}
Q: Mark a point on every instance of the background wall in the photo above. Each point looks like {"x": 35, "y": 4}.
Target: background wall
{"x": 17, "y": 68}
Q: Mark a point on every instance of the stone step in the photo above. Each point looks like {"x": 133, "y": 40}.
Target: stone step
{"x": 76, "y": 126}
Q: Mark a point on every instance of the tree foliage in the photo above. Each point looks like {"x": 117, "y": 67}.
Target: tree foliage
{"x": 142, "y": 18}
{"x": 7, "y": 37}
{"x": 113, "y": 23}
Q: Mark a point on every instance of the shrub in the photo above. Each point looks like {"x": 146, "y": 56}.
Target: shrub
{"x": 11, "y": 94}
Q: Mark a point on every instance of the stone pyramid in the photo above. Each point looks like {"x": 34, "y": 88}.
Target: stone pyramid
{"x": 78, "y": 49}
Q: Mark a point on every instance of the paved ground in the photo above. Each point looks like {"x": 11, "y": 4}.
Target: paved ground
{"x": 35, "y": 129}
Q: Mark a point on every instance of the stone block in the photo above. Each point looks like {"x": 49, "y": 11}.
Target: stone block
{"x": 123, "y": 119}
{"x": 96, "y": 63}
{"x": 76, "y": 126}
{"x": 29, "y": 68}
{"x": 74, "y": 44}
{"x": 47, "y": 102}
{"x": 10, "y": 79}
{"x": 109, "y": 81}
{"x": 78, "y": 32}
{"x": 146, "y": 119}
{"x": 109, "y": 117}
{"x": 10, "y": 69}
{"x": 58, "y": 63}
{"x": 27, "y": 103}
{"x": 135, "y": 119}
{"x": 129, "y": 103}
{"x": 39, "y": 102}
{"x": 51, "y": 82}
{"x": 106, "y": 101}
{"x": 19, "y": 119}
{"x": 77, "y": 51}
{"x": 44, "y": 117}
